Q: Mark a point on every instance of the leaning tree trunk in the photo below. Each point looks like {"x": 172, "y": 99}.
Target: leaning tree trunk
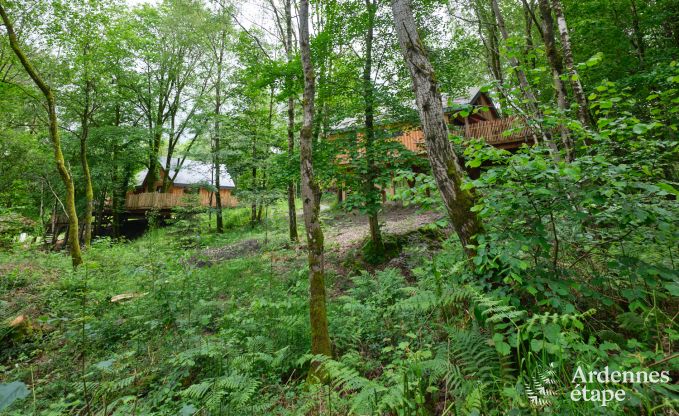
{"x": 579, "y": 93}
{"x": 371, "y": 193}
{"x": 311, "y": 199}
{"x": 73, "y": 241}
{"x": 444, "y": 162}
{"x": 292, "y": 210}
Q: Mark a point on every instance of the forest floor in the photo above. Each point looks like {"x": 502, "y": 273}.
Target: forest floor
{"x": 145, "y": 303}
{"x": 346, "y": 231}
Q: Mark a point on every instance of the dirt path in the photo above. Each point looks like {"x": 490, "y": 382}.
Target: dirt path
{"x": 345, "y": 231}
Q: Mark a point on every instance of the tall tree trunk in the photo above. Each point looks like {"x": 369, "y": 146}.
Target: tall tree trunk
{"x": 73, "y": 241}
{"x": 578, "y": 91}
{"x": 156, "y": 139}
{"x": 520, "y": 74}
{"x": 371, "y": 192}
{"x": 292, "y": 210}
{"x": 216, "y": 141}
{"x": 253, "y": 217}
{"x": 444, "y": 162}
{"x": 116, "y": 193}
{"x": 524, "y": 86}
{"x": 311, "y": 200}
{"x": 84, "y": 134}
{"x": 528, "y": 26}
{"x": 638, "y": 34}
{"x": 488, "y": 35}
{"x": 556, "y": 66}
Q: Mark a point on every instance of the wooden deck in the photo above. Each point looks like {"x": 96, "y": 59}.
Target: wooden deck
{"x": 505, "y": 133}
{"x": 501, "y": 132}
{"x": 166, "y": 201}
{"x": 153, "y": 200}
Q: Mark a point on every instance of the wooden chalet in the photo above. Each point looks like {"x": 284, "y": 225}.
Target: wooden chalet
{"x": 482, "y": 121}
{"x": 192, "y": 177}
{"x": 473, "y": 116}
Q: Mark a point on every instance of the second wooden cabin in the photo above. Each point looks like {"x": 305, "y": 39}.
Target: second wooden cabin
{"x": 187, "y": 178}
{"x": 472, "y": 115}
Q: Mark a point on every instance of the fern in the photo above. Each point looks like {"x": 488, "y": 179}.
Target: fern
{"x": 565, "y": 320}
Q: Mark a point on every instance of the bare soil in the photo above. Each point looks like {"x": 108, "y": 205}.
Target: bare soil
{"x": 346, "y": 231}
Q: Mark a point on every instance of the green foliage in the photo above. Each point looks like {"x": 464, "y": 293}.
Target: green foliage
{"x": 11, "y": 392}
{"x": 11, "y": 225}
{"x": 186, "y": 219}
{"x": 577, "y": 267}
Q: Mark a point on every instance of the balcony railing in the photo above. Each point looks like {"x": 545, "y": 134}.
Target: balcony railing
{"x": 496, "y": 132}
{"x": 153, "y": 200}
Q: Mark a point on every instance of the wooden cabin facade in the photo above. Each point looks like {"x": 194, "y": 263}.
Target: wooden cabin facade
{"x": 472, "y": 116}
{"x": 187, "y": 179}
{"x": 482, "y": 122}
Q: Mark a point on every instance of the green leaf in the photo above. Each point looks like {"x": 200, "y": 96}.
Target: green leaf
{"x": 536, "y": 345}
{"x": 640, "y": 128}
{"x": 668, "y": 188}
{"x": 474, "y": 163}
{"x": 500, "y": 345}
{"x": 102, "y": 365}
{"x": 673, "y": 288}
{"x": 10, "y": 392}
{"x": 552, "y": 332}
{"x": 188, "y": 410}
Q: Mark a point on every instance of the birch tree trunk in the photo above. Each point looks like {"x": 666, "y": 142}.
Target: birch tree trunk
{"x": 556, "y": 67}
{"x": 579, "y": 93}
{"x": 532, "y": 102}
{"x": 520, "y": 75}
{"x": 73, "y": 240}
{"x": 488, "y": 35}
{"x": 444, "y": 162}
{"x": 311, "y": 198}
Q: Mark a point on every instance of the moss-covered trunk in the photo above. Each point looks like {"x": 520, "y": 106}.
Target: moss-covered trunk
{"x": 84, "y": 135}
{"x": 311, "y": 199}
{"x": 69, "y": 203}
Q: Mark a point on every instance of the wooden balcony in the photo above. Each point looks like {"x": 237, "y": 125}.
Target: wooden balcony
{"x": 505, "y": 133}
{"x": 153, "y": 200}
{"x": 165, "y": 201}
{"x": 501, "y": 132}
